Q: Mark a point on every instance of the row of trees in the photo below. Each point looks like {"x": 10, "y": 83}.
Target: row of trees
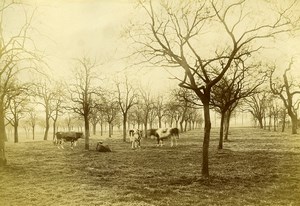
{"x": 219, "y": 70}
{"x": 64, "y": 105}
{"x": 210, "y": 41}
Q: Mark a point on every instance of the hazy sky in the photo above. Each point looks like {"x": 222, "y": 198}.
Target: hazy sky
{"x": 67, "y": 29}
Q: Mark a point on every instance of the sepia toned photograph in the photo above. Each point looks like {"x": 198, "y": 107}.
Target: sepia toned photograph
{"x": 149, "y": 102}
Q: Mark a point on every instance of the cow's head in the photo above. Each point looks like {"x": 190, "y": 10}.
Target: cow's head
{"x": 79, "y": 135}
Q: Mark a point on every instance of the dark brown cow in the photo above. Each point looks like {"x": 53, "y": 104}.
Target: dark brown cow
{"x": 72, "y": 137}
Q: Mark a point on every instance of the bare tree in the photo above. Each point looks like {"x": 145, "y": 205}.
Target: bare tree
{"x": 95, "y": 119}
{"x": 17, "y": 108}
{"x": 286, "y": 90}
{"x": 185, "y": 100}
{"x": 257, "y": 106}
{"x": 160, "y": 109}
{"x": 177, "y": 30}
{"x": 147, "y": 105}
{"x": 172, "y": 112}
{"x": 57, "y": 102}
{"x": 127, "y": 98}
{"x": 136, "y": 115}
{"x": 17, "y": 53}
{"x": 111, "y": 109}
{"x": 32, "y": 120}
{"x": 236, "y": 85}
{"x": 83, "y": 91}
{"x": 43, "y": 91}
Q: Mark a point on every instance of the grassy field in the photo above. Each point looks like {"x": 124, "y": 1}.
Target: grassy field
{"x": 256, "y": 168}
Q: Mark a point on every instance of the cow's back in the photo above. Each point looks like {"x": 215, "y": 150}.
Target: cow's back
{"x": 71, "y": 136}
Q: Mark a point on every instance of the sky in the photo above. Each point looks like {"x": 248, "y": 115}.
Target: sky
{"x": 69, "y": 29}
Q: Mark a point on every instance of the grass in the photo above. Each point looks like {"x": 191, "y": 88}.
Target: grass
{"x": 256, "y": 168}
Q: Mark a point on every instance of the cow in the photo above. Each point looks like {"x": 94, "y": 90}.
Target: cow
{"x": 102, "y": 148}
{"x": 162, "y": 133}
{"x": 72, "y": 137}
{"x": 135, "y": 138}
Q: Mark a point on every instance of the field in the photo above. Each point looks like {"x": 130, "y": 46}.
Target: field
{"x": 256, "y": 168}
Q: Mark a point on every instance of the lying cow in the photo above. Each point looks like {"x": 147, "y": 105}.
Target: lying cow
{"x": 102, "y": 148}
{"x": 162, "y": 134}
{"x": 72, "y": 137}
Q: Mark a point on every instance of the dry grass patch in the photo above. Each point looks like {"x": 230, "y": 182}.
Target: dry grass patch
{"x": 255, "y": 168}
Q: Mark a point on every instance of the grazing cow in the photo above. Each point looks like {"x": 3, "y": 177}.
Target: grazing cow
{"x": 135, "y": 138}
{"x": 72, "y": 137}
{"x": 162, "y": 134}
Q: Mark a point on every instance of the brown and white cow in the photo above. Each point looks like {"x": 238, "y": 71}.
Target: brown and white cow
{"x": 135, "y": 138}
{"x": 164, "y": 133}
{"x": 62, "y": 137}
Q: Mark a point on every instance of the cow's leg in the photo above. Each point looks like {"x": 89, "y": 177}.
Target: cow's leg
{"x": 59, "y": 144}
{"x": 75, "y": 143}
{"x": 161, "y": 143}
{"x": 158, "y": 141}
{"x": 62, "y": 144}
{"x": 172, "y": 137}
{"x": 72, "y": 144}
{"x": 132, "y": 144}
{"x": 139, "y": 143}
{"x": 175, "y": 139}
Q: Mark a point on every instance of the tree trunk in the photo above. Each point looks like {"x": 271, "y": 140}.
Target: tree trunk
{"x": 260, "y": 121}
{"x": 16, "y": 134}
{"x": 265, "y": 124}
{"x": 275, "y": 123}
{"x": 226, "y": 126}
{"x": 124, "y": 127}
{"x": 145, "y": 126}
{"x": 33, "y": 128}
{"x": 221, "y": 131}
{"x": 283, "y": 121}
{"x": 54, "y": 129}
{"x": 46, "y": 129}
{"x": 185, "y": 126}
{"x": 109, "y": 130}
{"x": 294, "y": 124}
{"x": 171, "y": 122}
{"x": 207, "y": 127}
{"x": 181, "y": 126}
{"x": 3, "y": 160}
{"x": 87, "y": 132}
{"x": 270, "y": 122}
{"x": 159, "y": 122}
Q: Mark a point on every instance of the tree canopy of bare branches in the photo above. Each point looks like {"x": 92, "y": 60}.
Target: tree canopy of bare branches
{"x": 286, "y": 90}
{"x": 127, "y": 98}
{"x": 83, "y": 91}
{"x": 17, "y": 53}
{"x": 182, "y": 36}
{"x": 240, "y": 82}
